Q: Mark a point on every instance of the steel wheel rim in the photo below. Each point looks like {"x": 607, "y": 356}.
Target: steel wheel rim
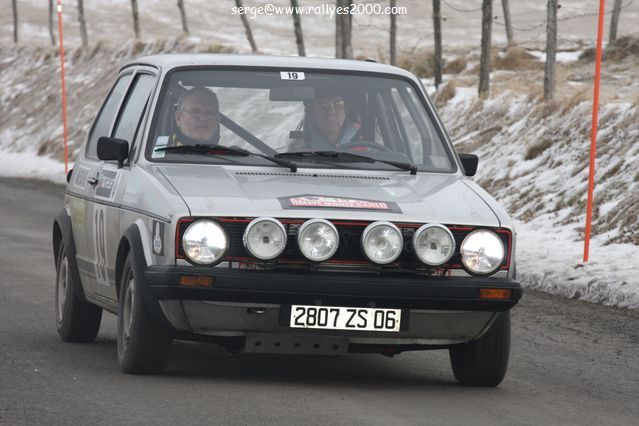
{"x": 61, "y": 288}
{"x": 127, "y": 311}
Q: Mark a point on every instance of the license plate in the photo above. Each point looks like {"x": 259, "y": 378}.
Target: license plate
{"x": 344, "y": 318}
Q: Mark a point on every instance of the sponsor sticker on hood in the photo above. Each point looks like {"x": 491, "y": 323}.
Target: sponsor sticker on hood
{"x": 307, "y": 201}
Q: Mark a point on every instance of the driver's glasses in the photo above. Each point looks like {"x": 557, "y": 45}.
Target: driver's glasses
{"x": 198, "y": 113}
{"x": 328, "y": 107}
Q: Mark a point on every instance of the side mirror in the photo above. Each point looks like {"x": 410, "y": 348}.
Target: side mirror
{"x": 69, "y": 173}
{"x": 113, "y": 149}
{"x": 469, "y": 161}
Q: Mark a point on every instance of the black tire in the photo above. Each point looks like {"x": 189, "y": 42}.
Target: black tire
{"x": 144, "y": 346}
{"x": 484, "y": 362}
{"x": 76, "y": 320}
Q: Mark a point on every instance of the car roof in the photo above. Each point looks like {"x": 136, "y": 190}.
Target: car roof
{"x": 169, "y": 61}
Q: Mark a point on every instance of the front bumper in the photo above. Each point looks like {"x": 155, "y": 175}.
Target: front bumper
{"x": 329, "y": 288}
{"x": 245, "y": 304}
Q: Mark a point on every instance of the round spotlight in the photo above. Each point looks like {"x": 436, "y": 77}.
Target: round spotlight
{"x": 382, "y": 242}
{"x": 482, "y": 251}
{"x": 204, "y": 242}
{"x": 265, "y": 238}
{"x": 318, "y": 240}
{"x": 434, "y": 244}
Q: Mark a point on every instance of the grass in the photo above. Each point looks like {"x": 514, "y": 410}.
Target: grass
{"x": 420, "y": 63}
{"x": 516, "y": 59}
{"x": 537, "y": 149}
{"x": 456, "y": 66}
{"x": 624, "y": 47}
{"x": 445, "y": 93}
{"x": 612, "y": 171}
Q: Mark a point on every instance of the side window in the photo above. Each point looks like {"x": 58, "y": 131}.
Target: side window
{"x": 133, "y": 108}
{"x": 436, "y": 154}
{"x": 103, "y": 123}
{"x": 414, "y": 138}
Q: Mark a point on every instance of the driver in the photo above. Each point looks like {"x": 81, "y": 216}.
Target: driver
{"x": 197, "y": 118}
{"x": 327, "y": 125}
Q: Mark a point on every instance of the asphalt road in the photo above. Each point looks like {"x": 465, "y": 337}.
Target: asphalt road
{"x": 571, "y": 362}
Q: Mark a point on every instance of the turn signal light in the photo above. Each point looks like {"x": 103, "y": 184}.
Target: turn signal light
{"x": 196, "y": 281}
{"x": 495, "y": 293}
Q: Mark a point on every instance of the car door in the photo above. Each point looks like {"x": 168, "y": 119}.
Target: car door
{"x": 112, "y": 182}
{"x": 84, "y": 179}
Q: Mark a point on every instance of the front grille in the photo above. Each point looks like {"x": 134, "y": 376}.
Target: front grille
{"x": 349, "y": 250}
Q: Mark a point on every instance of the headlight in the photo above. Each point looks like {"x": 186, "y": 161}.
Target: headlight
{"x": 482, "y": 251}
{"x": 382, "y": 242}
{"x": 204, "y": 242}
{"x": 318, "y": 239}
{"x": 265, "y": 238}
{"x": 434, "y": 244}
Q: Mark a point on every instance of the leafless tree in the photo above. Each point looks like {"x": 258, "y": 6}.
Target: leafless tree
{"x": 247, "y": 27}
{"x": 484, "y": 62}
{"x": 136, "y": 20}
{"x": 14, "y": 3}
{"x": 437, "y": 26}
{"x": 393, "y": 34}
{"x": 51, "y": 33}
{"x": 297, "y": 25}
{"x": 551, "y": 51}
{"x": 185, "y": 24}
{"x": 83, "y": 24}
{"x": 510, "y": 38}
{"x": 343, "y": 30}
{"x": 614, "y": 22}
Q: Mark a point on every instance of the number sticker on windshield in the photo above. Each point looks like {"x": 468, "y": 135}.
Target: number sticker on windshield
{"x": 291, "y": 75}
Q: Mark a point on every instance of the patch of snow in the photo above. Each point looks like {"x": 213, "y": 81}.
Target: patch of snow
{"x": 562, "y": 56}
{"x": 548, "y": 259}
{"x": 30, "y": 165}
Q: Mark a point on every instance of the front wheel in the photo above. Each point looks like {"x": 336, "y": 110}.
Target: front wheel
{"x": 144, "y": 347}
{"x": 76, "y": 319}
{"x": 484, "y": 362}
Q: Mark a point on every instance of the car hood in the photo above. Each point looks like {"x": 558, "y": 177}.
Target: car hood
{"x": 213, "y": 190}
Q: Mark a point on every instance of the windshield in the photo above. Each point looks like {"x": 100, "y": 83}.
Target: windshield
{"x": 280, "y": 113}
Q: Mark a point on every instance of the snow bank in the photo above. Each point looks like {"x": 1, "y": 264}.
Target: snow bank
{"x": 30, "y": 165}
{"x": 549, "y": 260}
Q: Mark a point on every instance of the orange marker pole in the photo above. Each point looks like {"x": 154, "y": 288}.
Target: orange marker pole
{"x": 593, "y": 136}
{"x": 64, "y": 92}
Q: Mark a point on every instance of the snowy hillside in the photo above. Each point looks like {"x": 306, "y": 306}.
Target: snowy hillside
{"x": 534, "y": 160}
{"x": 533, "y": 155}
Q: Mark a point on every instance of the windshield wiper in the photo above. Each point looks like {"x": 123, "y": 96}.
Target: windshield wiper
{"x": 348, "y": 158}
{"x": 212, "y": 149}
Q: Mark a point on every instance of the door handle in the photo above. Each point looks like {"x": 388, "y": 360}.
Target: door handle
{"x": 93, "y": 181}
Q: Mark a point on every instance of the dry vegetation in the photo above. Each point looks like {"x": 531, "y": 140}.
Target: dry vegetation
{"x": 420, "y": 63}
{"x": 624, "y": 47}
{"x": 518, "y": 136}
{"x": 517, "y": 59}
{"x": 536, "y": 154}
{"x": 535, "y": 150}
